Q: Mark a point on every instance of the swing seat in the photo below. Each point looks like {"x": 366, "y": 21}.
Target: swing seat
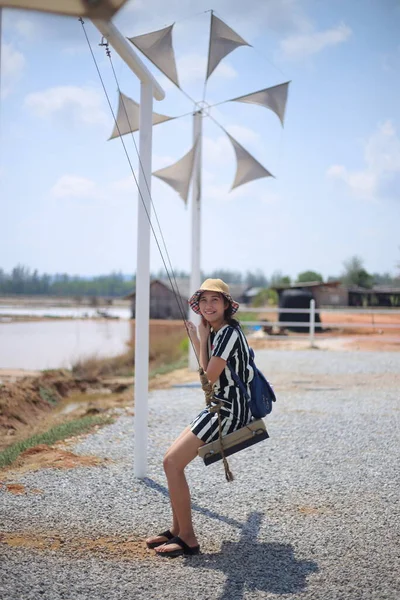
{"x": 247, "y": 436}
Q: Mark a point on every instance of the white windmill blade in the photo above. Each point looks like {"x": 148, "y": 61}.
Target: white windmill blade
{"x": 179, "y": 175}
{"x": 128, "y": 115}
{"x": 102, "y": 9}
{"x": 274, "y": 98}
{"x": 247, "y": 167}
{"x": 157, "y": 47}
{"x": 223, "y": 40}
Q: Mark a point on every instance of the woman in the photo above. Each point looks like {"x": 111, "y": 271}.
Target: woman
{"x": 219, "y": 339}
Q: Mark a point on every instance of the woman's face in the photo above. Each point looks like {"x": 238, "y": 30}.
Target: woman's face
{"x": 212, "y": 306}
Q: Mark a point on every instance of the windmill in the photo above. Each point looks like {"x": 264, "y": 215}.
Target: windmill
{"x": 158, "y": 48}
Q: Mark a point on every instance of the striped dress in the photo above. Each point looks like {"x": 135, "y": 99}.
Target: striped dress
{"x": 228, "y": 343}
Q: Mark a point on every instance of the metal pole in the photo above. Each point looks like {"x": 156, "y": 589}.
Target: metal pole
{"x": 196, "y": 225}
{"x": 143, "y": 281}
{"x": 312, "y": 322}
{"x": 1, "y": 39}
{"x": 128, "y": 55}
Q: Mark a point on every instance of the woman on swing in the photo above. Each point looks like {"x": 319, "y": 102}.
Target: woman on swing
{"x": 219, "y": 339}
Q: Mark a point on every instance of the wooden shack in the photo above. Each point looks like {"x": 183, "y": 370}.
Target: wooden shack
{"x": 169, "y": 300}
{"x": 331, "y": 293}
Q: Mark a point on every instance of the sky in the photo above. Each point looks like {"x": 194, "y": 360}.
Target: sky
{"x": 68, "y": 198}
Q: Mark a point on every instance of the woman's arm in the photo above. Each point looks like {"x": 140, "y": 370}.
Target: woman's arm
{"x": 192, "y": 333}
{"x": 214, "y": 368}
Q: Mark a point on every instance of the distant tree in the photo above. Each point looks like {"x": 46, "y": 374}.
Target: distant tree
{"x": 277, "y": 279}
{"x": 265, "y": 297}
{"x": 355, "y": 274}
{"x": 383, "y": 279}
{"x": 226, "y": 275}
{"x": 23, "y": 281}
{"x": 256, "y": 279}
{"x": 307, "y": 276}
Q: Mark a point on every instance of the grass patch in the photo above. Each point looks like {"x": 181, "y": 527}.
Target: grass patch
{"x": 94, "y": 367}
{"x": 55, "y": 434}
{"x": 48, "y": 395}
{"x": 168, "y": 368}
{"x": 168, "y": 345}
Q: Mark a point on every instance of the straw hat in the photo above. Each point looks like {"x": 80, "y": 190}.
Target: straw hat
{"x": 212, "y": 285}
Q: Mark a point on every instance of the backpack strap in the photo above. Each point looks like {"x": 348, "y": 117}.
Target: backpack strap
{"x": 235, "y": 376}
{"x": 238, "y": 381}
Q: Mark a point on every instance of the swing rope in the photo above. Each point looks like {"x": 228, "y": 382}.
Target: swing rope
{"x": 213, "y": 404}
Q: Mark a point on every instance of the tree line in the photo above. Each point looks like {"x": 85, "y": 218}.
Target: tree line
{"x": 23, "y": 280}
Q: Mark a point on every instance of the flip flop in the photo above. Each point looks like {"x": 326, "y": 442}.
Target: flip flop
{"x": 167, "y": 534}
{"x": 184, "y": 549}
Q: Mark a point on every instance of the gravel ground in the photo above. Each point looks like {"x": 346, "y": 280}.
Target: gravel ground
{"x": 312, "y": 513}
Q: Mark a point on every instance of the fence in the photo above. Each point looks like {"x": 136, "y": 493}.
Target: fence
{"x": 312, "y": 311}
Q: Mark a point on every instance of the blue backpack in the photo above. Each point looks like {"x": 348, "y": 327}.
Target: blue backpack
{"x": 261, "y": 393}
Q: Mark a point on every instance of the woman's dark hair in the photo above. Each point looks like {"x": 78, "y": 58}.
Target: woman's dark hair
{"x": 229, "y": 319}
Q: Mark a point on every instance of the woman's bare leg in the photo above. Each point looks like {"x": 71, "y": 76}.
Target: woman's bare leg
{"x": 174, "y": 529}
{"x": 181, "y": 453}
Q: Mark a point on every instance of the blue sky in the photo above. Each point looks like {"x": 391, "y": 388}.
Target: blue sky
{"x": 68, "y": 200}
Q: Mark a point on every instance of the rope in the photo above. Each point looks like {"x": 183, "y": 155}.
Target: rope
{"x": 214, "y": 406}
{"x": 175, "y": 291}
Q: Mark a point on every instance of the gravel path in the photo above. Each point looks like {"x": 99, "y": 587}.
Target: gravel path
{"x": 312, "y": 513}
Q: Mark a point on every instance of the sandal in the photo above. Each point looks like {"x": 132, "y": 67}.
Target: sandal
{"x": 167, "y": 534}
{"x": 184, "y": 549}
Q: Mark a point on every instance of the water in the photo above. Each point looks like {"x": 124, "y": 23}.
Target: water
{"x": 58, "y": 344}
{"x": 73, "y": 312}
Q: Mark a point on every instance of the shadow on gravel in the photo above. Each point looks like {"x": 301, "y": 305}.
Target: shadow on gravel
{"x": 195, "y": 507}
{"x": 250, "y": 565}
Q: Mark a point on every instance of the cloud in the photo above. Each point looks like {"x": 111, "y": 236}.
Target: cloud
{"x": 73, "y": 186}
{"x": 12, "y": 66}
{"x": 300, "y": 46}
{"x": 193, "y": 67}
{"x": 26, "y": 28}
{"x": 76, "y": 187}
{"x": 252, "y": 16}
{"x": 71, "y": 103}
{"x": 244, "y": 135}
{"x": 218, "y": 151}
{"x": 382, "y": 158}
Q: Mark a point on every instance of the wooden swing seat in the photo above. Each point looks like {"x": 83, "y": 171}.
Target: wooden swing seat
{"x": 247, "y": 436}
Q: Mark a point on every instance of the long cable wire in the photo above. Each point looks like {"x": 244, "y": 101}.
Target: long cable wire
{"x": 176, "y": 288}
{"x": 136, "y": 182}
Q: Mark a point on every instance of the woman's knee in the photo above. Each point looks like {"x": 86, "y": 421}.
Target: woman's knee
{"x": 171, "y": 463}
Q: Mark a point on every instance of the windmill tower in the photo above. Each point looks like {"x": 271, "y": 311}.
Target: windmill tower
{"x": 158, "y": 48}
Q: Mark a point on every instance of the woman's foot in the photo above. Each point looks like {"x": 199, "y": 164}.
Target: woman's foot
{"x": 160, "y": 539}
{"x": 178, "y": 547}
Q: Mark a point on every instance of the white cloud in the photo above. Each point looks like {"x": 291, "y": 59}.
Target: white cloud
{"x": 79, "y": 104}
{"x": 27, "y": 28}
{"x": 252, "y": 16}
{"x": 218, "y": 151}
{"x": 244, "y": 135}
{"x": 193, "y": 67}
{"x": 73, "y": 186}
{"x": 382, "y": 158}
{"x": 299, "y": 46}
{"x": 12, "y": 66}
{"x": 76, "y": 187}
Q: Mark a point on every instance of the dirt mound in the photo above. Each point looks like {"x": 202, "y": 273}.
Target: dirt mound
{"x": 29, "y": 400}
